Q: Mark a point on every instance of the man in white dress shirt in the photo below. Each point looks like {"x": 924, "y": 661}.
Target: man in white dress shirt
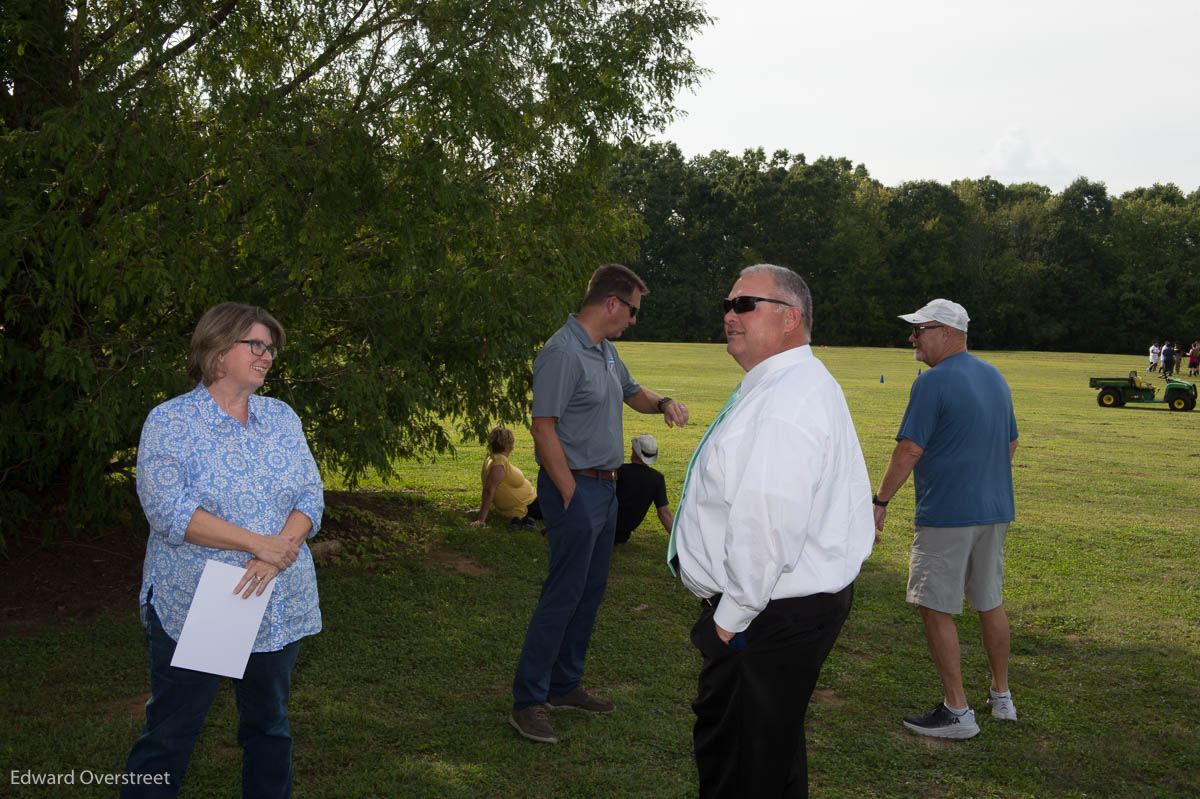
{"x": 773, "y": 527}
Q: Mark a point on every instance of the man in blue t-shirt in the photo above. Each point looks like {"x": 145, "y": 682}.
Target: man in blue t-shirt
{"x": 957, "y": 438}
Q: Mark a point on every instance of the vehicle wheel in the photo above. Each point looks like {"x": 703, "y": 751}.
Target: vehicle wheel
{"x": 1191, "y": 403}
{"x": 1178, "y": 402}
{"x": 1108, "y": 398}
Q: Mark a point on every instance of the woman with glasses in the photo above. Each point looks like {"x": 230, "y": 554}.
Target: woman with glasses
{"x": 225, "y": 474}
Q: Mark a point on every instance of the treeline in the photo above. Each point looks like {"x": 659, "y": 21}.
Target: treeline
{"x": 1075, "y": 271}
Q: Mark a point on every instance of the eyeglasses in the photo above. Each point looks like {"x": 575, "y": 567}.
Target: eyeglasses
{"x": 633, "y": 309}
{"x": 744, "y": 304}
{"x": 916, "y": 331}
{"x": 259, "y": 347}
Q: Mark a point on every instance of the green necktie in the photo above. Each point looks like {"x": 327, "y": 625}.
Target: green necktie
{"x": 672, "y": 552}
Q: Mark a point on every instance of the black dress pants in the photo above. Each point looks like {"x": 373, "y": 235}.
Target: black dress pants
{"x": 750, "y": 708}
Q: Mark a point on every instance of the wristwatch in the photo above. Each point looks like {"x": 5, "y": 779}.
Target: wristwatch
{"x": 875, "y": 500}
{"x": 663, "y": 402}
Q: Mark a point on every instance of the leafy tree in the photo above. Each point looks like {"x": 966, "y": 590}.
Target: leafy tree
{"x": 409, "y": 186}
{"x": 1080, "y": 267}
{"x": 1156, "y": 238}
{"x": 1167, "y": 193}
{"x": 926, "y": 225}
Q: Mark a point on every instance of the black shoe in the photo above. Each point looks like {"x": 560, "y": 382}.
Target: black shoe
{"x": 941, "y": 723}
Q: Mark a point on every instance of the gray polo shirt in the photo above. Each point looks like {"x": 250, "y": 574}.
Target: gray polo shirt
{"x": 583, "y": 385}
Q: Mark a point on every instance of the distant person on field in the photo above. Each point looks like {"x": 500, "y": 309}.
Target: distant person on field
{"x": 957, "y": 438}
{"x": 1168, "y": 359}
{"x": 1194, "y": 359}
{"x": 504, "y": 486}
{"x": 1155, "y": 353}
{"x": 637, "y": 486}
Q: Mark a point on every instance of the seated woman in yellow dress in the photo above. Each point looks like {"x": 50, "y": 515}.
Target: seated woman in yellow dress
{"x": 504, "y": 486}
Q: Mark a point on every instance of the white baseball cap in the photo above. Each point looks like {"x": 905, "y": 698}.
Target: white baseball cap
{"x": 948, "y": 313}
{"x": 646, "y": 448}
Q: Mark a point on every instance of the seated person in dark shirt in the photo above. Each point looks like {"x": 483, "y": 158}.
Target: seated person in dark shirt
{"x": 637, "y": 486}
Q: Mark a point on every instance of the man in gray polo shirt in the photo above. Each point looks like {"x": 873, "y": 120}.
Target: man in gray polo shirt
{"x": 579, "y": 384}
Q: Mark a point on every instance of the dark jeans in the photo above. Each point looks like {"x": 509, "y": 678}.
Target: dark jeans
{"x": 750, "y": 707}
{"x": 179, "y": 701}
{"x": 580, "y": 539}
{"x": 533, "y": 512}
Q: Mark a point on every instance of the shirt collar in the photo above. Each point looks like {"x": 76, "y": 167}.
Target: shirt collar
{"x": 574, "y": 325}
{"x": 212, "y": 413}
{"x": 780, "y": 360}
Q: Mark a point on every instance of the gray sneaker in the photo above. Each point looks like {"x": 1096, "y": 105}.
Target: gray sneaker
{"x": 941, "y": 723}
{"x": 533, "y": 724}
{"x": 580, "y": 699}
{"x": 1003, "y": 707}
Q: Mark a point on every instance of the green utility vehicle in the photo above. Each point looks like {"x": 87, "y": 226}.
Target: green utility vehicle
{"x": 1179, "y": 395}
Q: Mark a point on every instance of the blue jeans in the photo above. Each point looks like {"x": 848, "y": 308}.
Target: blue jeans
{"x": 179, "y": 701}
{"x": 580, "y": 538}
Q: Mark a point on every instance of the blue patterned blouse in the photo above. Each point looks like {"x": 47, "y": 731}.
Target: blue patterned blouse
{"x": 195, "y": 455}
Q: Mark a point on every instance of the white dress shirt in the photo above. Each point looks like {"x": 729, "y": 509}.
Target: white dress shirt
{"x": 779, "y": 502}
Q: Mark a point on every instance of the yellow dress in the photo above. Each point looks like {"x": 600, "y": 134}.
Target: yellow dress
{"x": 514, "y": 494}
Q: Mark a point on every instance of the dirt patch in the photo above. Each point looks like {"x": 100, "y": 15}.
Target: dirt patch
{"x": 458, "y": 562}
{"x": 86, "y": 576}
{"x": 78, "y": 578}
{"x": 828, "y": 697}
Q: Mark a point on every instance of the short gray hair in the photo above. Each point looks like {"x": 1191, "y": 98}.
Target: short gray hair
{"x": 792, "y": 288}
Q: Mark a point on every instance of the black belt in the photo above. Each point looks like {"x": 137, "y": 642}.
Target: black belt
{"x": 710, "y": 603}
{"x": 597, "y": 474}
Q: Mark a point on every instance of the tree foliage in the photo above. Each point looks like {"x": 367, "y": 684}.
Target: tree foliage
{"x": 1076, "y": 271}
{"x": 415, "y": 188}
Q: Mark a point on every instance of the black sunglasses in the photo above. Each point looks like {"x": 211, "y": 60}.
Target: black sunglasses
{"x": 918, "y": 328}
{"x": 258, "y": 348}
{"x": 633, "y": 309}
{"x": 744, "y": 304}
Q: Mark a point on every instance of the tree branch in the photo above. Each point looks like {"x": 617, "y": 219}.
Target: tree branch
{"x": 214, "y": 21}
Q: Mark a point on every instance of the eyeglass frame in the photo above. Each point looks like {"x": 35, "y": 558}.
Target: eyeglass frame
{"x": 633, "y": 309}
{"x": 730, "y": 303}
{"x": 918, "y": 329}
{"x": 261, "y": 349}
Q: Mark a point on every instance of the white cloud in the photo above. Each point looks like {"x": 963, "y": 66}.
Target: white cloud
{"x": 1027, "y": 90}
{"x": 1016, "y": 157}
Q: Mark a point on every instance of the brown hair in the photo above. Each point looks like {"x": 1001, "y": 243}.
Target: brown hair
{"x": 613, "y": 280}
{"x": 501, "y": 439}
{"x": 218, "y": 330}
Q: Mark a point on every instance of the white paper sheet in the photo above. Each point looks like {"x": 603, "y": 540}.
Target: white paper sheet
{"x": 221, "y": 626}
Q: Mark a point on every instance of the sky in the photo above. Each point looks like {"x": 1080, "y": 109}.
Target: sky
{"x": 939, "y": 90}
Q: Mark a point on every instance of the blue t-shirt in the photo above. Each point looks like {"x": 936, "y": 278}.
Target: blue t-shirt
{"x": 961, "y": 413}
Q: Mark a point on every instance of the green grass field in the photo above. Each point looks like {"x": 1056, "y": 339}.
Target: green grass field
{"x": 406, "y": 692}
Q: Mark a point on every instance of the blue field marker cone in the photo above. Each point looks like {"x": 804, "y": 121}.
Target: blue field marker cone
{"x": 881, "y": 378}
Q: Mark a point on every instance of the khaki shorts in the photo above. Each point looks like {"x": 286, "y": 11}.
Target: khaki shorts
{"x": 947, "y": 562}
